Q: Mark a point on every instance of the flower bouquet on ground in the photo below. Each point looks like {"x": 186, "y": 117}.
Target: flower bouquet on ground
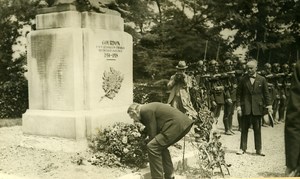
{"x": 120, "y": 145}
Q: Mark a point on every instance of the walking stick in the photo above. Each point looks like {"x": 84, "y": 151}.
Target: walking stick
{"x": 183, "y": 154}
{"x": 205, "y": 50}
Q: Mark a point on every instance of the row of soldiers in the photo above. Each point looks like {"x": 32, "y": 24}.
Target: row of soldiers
{"x": 215, "y": 87}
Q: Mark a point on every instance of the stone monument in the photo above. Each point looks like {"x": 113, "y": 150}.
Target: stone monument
{"x": 79, "y": 72}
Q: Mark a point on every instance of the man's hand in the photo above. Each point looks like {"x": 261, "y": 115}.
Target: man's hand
{"x": 214, "y": 104}
{"x": 283, "y": 96}
{"x": 229, "y": 100}
{"x": 239, "y": 110}
{"x": 270, "y": 110}
{"x": 140, "y": 126}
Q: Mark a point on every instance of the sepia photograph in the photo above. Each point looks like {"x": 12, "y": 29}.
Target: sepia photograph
{"x": 149, "y": 89}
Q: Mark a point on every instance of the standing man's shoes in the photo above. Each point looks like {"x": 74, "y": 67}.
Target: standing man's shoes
{"x": 228, "y": 133}
{"x": 231, "y": 132}
{"x": 258, "y": 152}
{"x": 240, "y": 152}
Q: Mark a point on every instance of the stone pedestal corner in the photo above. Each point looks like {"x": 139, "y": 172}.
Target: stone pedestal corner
{"x": 79, "y": 73}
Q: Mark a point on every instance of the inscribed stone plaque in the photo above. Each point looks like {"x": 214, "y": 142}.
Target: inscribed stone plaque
{"x": 53, "y": 61}
{"x": 110, "y": 53}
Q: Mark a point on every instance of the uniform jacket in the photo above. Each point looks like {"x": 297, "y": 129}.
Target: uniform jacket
{"x": 253, "y": 98}
{"x": 163, "y": 122}
{"x": 216, "y": 88}
{"x": 292, "y": 123}
{"x": 230, "y": 86}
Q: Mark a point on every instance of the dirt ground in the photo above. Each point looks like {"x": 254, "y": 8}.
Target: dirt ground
{"x": 38, "y": 157}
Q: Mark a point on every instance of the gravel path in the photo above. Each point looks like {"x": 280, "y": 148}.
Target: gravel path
{"x": 250, "y": 165}
{"x": 19, "y": 158}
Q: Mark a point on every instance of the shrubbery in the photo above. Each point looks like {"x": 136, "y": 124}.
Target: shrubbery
{"x": 13, "y": 98}
{"x": 146, "y": 92}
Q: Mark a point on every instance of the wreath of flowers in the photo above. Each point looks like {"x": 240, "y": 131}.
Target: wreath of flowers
{"x": 120, "y": 145}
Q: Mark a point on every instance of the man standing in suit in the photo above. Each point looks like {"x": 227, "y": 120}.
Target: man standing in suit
{"x": 165, "y": 125}
{"x": 292, "y": 127}
{"x": 252, "y": 99}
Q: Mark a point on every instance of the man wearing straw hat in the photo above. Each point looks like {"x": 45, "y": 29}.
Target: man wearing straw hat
{"x": 179, "y": 85}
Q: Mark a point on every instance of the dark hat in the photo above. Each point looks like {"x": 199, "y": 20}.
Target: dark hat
{"x": 181, "y": 65}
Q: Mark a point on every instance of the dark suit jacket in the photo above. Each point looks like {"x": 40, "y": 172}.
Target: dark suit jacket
{"x": 164, "y": 122}
{"x": 292, "y": 123}
{"x": 253, "y": 98}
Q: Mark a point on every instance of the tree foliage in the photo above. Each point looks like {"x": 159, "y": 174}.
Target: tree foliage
{"x": 167, "y": 31}
{"x": 270, "y": 29}
{"x": 14, "y": 16}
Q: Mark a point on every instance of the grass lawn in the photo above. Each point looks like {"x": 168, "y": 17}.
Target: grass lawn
{"x": 10, "y": 122}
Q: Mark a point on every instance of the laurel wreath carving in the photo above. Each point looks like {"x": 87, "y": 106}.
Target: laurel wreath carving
{"x": 112, "y": 82}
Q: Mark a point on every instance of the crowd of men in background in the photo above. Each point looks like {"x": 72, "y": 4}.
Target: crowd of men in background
{"x": 213, "y": 85}
{"x": 254, "y": 93}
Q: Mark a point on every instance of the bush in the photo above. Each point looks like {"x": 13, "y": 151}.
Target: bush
{"x": 14, "y": 98}
{"x": 120, "y": 145}
{"x": 147, "y": 92}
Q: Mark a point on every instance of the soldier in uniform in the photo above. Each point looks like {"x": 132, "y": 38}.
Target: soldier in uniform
{"x": 286, "y": 84}
{"x": 267, "y": 73}
{"x": 277, "y": 89}
{"x": 216, "y": 89}
{"x": 240, "y": 71}
{"x": 230, "y": 83}
{"x": 200, "y": 78}
{"x": 283, "y": 91}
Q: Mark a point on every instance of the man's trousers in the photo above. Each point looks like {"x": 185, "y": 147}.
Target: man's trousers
{"x": 161, "y": 166}
{"x": 247, "y": 120}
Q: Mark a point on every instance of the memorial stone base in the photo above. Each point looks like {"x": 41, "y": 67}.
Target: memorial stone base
{"x": 79, "y": 74}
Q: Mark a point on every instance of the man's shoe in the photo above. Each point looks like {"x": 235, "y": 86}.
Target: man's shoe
{"x": 240, "y": 152}
{"x": 258, "y": 152}
{"x": 178, "y": 146}
{"x": 231, "y": 132}
{"x": 264, "y": 125}
{"x": 228, "y": 133}
{"x": 170, "y": 178}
